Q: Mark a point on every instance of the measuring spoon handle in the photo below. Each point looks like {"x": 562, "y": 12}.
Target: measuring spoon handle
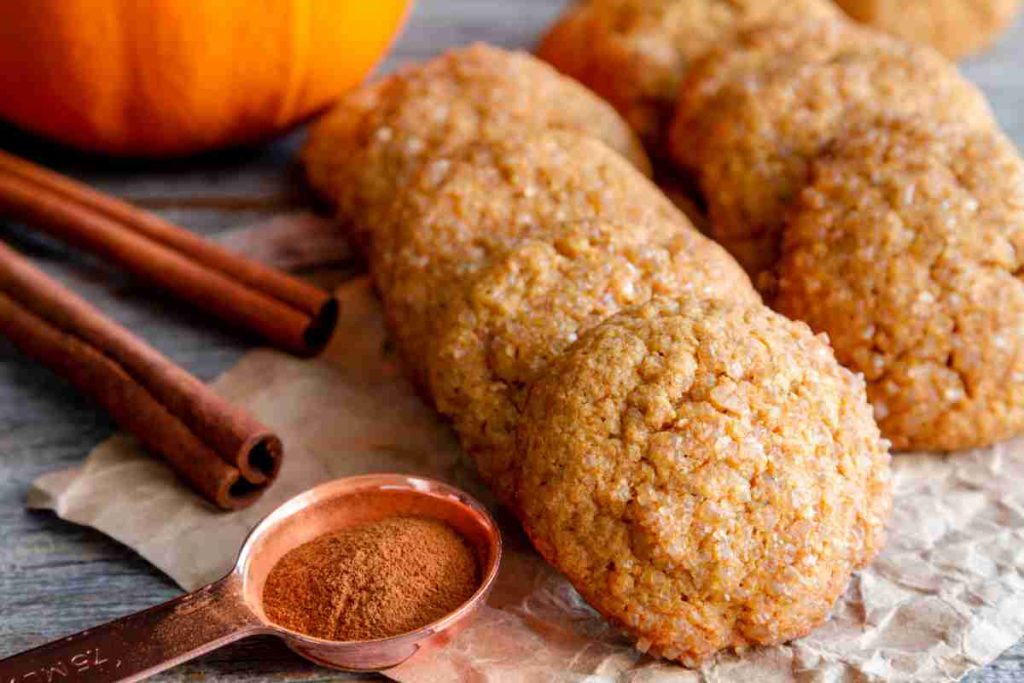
{"x": 140, "y": 644}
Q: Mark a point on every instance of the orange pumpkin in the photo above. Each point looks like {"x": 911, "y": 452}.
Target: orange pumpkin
{"x": 173, "y": 77}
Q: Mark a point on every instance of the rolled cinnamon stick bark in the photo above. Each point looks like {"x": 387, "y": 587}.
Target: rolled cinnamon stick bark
{"x": 221, "y": 450}
{"x": 285, "y": 311}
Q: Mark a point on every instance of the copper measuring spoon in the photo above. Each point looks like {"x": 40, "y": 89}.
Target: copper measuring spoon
{"x": 142, "y": 644}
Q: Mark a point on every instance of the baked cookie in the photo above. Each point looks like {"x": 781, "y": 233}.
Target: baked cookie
{"x": 907, "y": 249}
{"x": 761, "y": 110}
{"x": 704, "y": 473}
{"x": 530, "y": 303}
{"x": 362, "y": 153}
{"x": 955, "y": 28}
{"x": 636, "y": 52}
{"x": 752, "y": 52}
{"x": 464, "y": 209}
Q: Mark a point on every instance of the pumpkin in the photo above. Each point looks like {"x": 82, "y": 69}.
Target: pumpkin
{"x": 174, "y": 77}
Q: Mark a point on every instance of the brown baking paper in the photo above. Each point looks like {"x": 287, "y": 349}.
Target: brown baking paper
{"x": 946, "y": 596}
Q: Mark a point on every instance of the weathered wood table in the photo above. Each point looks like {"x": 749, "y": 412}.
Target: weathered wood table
{"x": 56, "y": 578}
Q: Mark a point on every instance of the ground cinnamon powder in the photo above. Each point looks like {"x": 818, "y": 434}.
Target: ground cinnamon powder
{"x": 372, "y": 581}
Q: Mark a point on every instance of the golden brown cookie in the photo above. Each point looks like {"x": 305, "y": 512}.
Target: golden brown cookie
{"x": 955, "y": 28}
{"x": 753, "y": 52}
{"x": 907, "y": 249}
{"x": 363, "y": 152}
{"x": 464, "y": 209}
{"x": 530, "y": 303}
{"x": 753, "y": 116}
{"x": 636, "y": 52}
{"x": 704, "y": 473}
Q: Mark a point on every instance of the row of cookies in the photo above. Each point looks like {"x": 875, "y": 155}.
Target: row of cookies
{"x": 461, "y": 162}
{"x": 635, "y": 53}
{"x": 865, "y": 186}
{"x": 701, "y": 468}
{"x": 910, "y": 222}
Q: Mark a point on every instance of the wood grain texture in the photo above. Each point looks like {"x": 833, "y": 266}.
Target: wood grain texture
{"x": 56, "y": 578}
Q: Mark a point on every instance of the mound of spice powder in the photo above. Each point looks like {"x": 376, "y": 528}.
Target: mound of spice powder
{"x": 372, "y": 581}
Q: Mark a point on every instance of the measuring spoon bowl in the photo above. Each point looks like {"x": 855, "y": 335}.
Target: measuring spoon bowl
{"x": 142, "y": 644}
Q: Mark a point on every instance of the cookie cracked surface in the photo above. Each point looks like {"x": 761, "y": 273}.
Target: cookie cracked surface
{"x": 464, "y": 209}
{"x": 635, "y": 53}
{"x": 530, "y": 303}
{"x": 907, "y": 249}
{"x": 765, "y": 107}
{"x": 705, "y": 473}
{"x": 362, "y": 153}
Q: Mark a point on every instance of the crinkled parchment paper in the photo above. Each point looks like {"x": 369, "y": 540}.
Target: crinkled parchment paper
{"x": 945, "y": 597}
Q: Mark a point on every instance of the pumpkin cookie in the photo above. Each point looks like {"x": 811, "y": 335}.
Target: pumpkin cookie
{"x": 464, "y": 209}
{"x": 907, "y": 250}
{"x": 532, "y": 302}
{"x": 765, "y": 107}
{"x": 751, "y": 52}
{"x": 704, "y": 473}
{"x": 636, "y": 52}
{"x": 955, "y": 28}
{"x": 362, "y": 153}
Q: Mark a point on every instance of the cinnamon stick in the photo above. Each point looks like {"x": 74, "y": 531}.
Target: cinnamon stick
{"x": 283, "y": 310}
{"x": 221, "y": 450}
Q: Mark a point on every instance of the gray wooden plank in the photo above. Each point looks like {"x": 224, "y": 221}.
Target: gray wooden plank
{"x": 56, "y": 578}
